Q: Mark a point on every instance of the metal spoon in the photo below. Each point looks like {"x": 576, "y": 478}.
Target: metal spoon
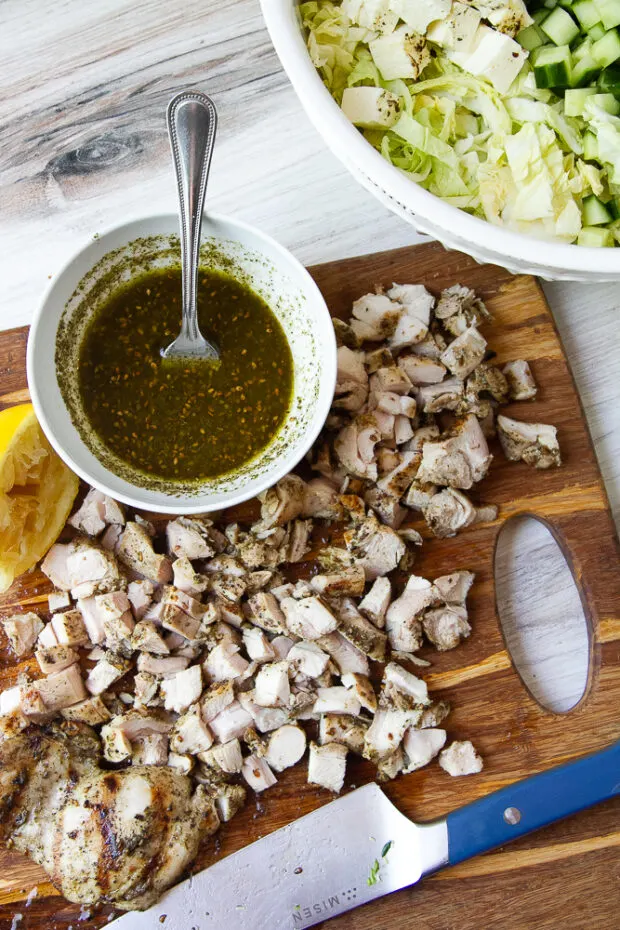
{"x": 192, "y": 122}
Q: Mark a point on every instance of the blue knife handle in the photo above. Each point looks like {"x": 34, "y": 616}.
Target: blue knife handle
{"x": 533, "y": 803}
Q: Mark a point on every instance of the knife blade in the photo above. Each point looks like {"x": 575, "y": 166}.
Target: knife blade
{"x": 315, "y": 868}
{"x": 360, "y": 847}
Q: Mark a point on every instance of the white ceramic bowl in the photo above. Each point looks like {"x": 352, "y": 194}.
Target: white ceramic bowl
{"x": 428, "y": 213}
{"x": 269, "y": 269}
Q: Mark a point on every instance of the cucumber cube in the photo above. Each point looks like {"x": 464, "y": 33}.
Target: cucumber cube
{"x": 575, "y": 99}
{"x": 552, "y": 66}
{"x": 594, "y": 211}
{"x": 560, "y": 27}
{"x": 596, "y": 32}
{"x": 587, "y": 13}
{"x": 608, "y": 103}
{"x": 590, "y": 147}
{"x": 584, "y": 71}
{"x": 531, "y": 37}
{"x": 596, "y": 237}
{"x": 607, "y": 50}
{"x": 609, "y": 80}
{"x": 609, "y": 12}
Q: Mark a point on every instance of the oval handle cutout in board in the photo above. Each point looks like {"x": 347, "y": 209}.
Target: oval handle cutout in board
{"x": 541, "y": 614}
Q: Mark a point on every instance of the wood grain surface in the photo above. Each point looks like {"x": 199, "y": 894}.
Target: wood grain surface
{"x": 565, "y": 875}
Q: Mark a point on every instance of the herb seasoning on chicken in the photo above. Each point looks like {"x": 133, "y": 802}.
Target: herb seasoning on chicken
{"x": 176, "y": 420}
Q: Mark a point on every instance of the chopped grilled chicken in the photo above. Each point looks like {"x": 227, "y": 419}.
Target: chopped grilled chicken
{"x": 182, "y": 689}
{"x": 70, "y": 629}
{"x": 460, "y": 758}
{"x": 321, "y": 500}
{"x": 191, "y": 734}
{"x": 351, "y": 381}
{"x": 58, "y": 600}
{"x": 91, "y": 618}
{"x": 189, "y": 538}
{"x": 257, "y": 773}
{"x": 405, "y": 682}
{"x": 446, "y": 626}
{"x": 106, "y": 672}
{"x": 265, "y": 719}
{"x": 447, "y": 395}
{"x": 96, "y": 512}
{"x": 378, "y": 358}
{"x": 282, "y": 645}
{"x": 111, "y": 537}
{"x": 216, "y": 698}
{"x": 22, "y": 631}
{"x": 375, "y": 547}
{"x": 227, "y": 757}
{"x": 136, "y": 551}
{"x": 272, "y": 688}
{"x": 54, "y": 565}
{"x": 308, "y": 618}
{"x": 62, "y": 689}
{"x": 402, "y": 621}
{"x": 165, "y": 666}
{"x": 375, "y": 603}
{"x": 533, "y": 443}
{"x": 460, "y": 460}
{"x": 91, "y": 711}
{"x": 486, "y": 379}
{"x": 308, "y": 659}
{"x": 91, "y": 569}
{"x": 398, "y": 480}
{"x": 55, "y": 658}
{"x": 386, "y": 732}
{"x": 337, "y": 700}
{"x": 286, "y": 746}
{"x": 355, "y": 446}
{"x": 348, "y": 658}
{"x": 181, "y": 763}
{"x": 448, "y": 512}
{"x": 47, "y": 636}
{"x": 464, "y": 353}
{"x": 363, "y": 690}
{"x": 186, "y": 578}
{"x": 118, "y": 623}
{"x": 264, "y": 611}
{"x": 147, "y": 638}
{"x": 140, "y": 594}
{"x": 375, "y": 317}
{"x": 327, "y": 766}
{"x": 434, "y": 714}
{"x": 231, "y": 723}
{"x": 257, "y": 645}
{"x": 350, "y": 581}
{"x": 342, "y": 728}
{"x": 345, "y": 335}
{"x": 421, "y": 746}
{"x": 454, "y": 588}
{"x": 392, "y": 380}
{"x": 281, "y": 503}
{"x": 224, "y": 662}
{"x": 421, "y": 370}
{"x": 415, "y": 300}
{"x": 521, "y": 384}
{"x": 358, "y": 630}
{"x": 298, "y": 542}
{"x": 67, "y": 804}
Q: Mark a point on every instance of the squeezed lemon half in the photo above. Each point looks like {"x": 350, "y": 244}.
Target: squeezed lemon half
{"x": 37, "y": 491}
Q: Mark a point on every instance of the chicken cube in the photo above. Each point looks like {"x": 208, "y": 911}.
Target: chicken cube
{"x": 342, "y": 728}
{"x": 186, "y": 578}
{"x": 464, "y": 353}
{"x": 91, "y": 569}
{"x": 347, "y": 657}
{"x": 191, "y": 734}
{"x": 147, "y": 638}
{"x": 337, "y": 700}
{"x": 359, "y": 631}
{"x": 265, "y": 612}
{"x": 286, "y": 746}
{"x": 257, "y": 645}
{"x": 91, "y": 711}
{"x": 140, "y": 594}
{"x": 106, "y": 672}
{"x": 533, "y": 443}
{"x": 306, "y": 658}
{"x": 22, "y": 631}
{"x": 226, "y": 757}
{"x": 189, "y": 538}
{"x": 461, "y": 758}
{"x": 55, "y": 658}
{"x": 224, "y": 662}
{"x": 308, "y": 618}
{"x": 231, "y": 723}
{"x": 454, "y": 588}
{"x": 272, "y": 688}
{"x": 216, "y": 698}
{"x": 521, "y": 384}
{"x": 58, "y": 600}
{"x": 421, "y": 746}
{"x": 327, "y": 766}
{"x": 54, "y": 565}
{"x": 446, "y": 626}
{"x": 136, "y": 551}
{"x": 95, "y": 513}
{"x": 182, "y": 689}
{"x": 257, "y": 773}
{"x": 361, "y": 687}
{"x": 375, "y": 603}
{"x": 386, "y": 732}
{"x": 62, "y": 689}
{"x": 164, "y": 666}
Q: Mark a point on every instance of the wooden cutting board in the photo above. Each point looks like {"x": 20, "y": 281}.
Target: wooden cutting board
{"x": 568, "y": 874}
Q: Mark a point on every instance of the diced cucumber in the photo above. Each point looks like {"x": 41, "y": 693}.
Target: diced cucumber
{"x": 614, "y": 208}
{"x": 609, "y": 12}
{"x": 550, "y": 4}
{"x": 587, "y": 13}
{"x": 552, "y": 66}
{"x": 595, "y": 237}
{"x": 609, "y": 80}
{"x": 594, "y": 211}
{"x": 539, "y": 15}
{"x": 575, "y": 99}
{"x": 607, "y": 50}
{"x": 608, "y": 103}
{"x": 584, "y": 48}
{"x": 560, "y": 27}
{"x": 596, "y": 32}
{"x": 584, "y": 71}
{"x": 531, "y": 37}
{"x": 590, "y": 146}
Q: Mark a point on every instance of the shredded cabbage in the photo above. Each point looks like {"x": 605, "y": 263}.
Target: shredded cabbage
{"x": 513, "y": 159}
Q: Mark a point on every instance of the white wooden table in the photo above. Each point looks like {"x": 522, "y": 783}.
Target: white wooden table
{"x": 83, "y": 145}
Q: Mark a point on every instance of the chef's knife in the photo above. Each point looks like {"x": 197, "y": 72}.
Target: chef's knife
{"x": 360, "y": 847}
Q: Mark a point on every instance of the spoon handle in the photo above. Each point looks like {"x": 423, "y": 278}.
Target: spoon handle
{"x": 192, "y": 123}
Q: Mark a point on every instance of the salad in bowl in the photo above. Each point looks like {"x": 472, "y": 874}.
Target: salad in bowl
{"x": 506, "y": 111}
